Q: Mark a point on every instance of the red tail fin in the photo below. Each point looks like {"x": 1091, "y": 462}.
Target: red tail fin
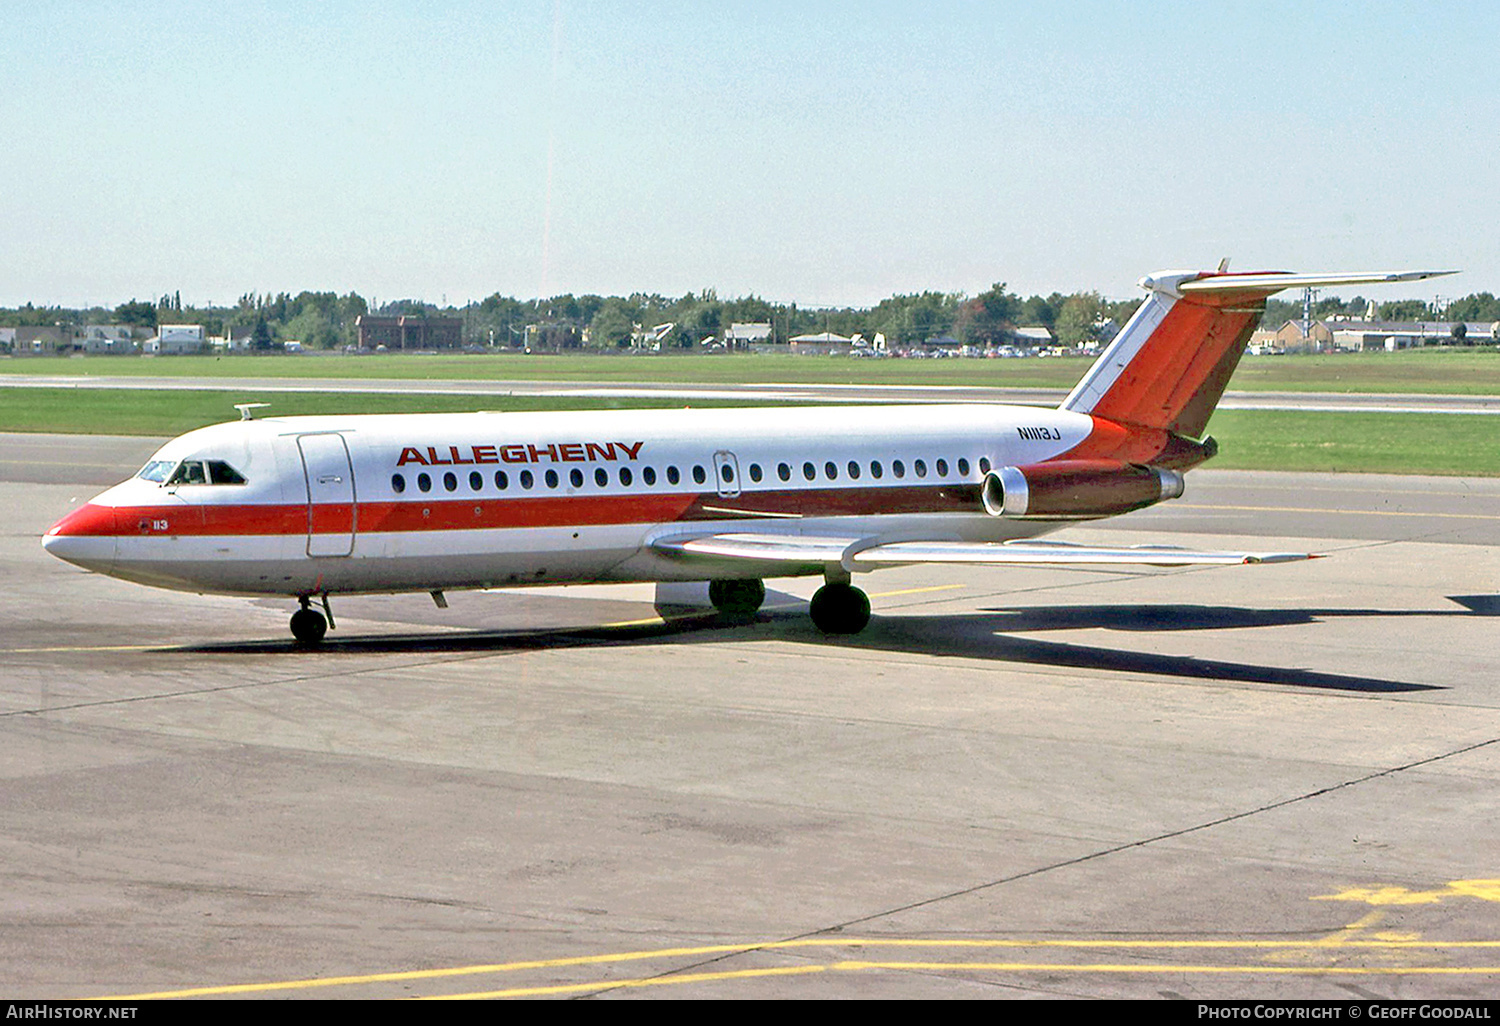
{"x": 1170, "y": 364}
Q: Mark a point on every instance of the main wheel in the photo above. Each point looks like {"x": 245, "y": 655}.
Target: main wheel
{"x": 840, "y": 609}
{"x": 308, "y": 626}
{"x": 737, "y": 599}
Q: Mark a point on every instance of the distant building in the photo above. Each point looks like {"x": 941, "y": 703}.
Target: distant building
{"x": 745, "y": 335}
{"x": 235, "y": 340}
{"x": 410, "y": 332}
{"x": 1391, "y": 335}
{"x": 824, "y": 342}
{"x": 1366, "y": 335}
{"x": 1033, "y": 336}
{"x": 42, "y": 341}
{"x": 105, "y": 338}
{"x": 175, "y": 340}
{"x": 1298, "y": 335}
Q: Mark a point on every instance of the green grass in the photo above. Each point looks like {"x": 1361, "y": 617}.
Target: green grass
{"x": 716, "y": 370}
{"x": 133, "y": 411}
{"x": 1438, "y": 370}
{"x": 1396, "y": 443}
{"x": 1364, "y": 443}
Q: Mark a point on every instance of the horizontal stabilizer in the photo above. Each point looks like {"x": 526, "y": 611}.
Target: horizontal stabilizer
{"x": 1277, "y": 281}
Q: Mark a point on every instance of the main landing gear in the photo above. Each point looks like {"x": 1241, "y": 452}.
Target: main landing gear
{"x": 837, "y": 608}
{"x": 840, "y": 608}
{"x": 309, "y": 625}
{"x": 737, "y": 600}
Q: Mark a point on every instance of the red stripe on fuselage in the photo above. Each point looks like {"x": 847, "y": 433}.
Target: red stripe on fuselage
{"x": 449, "y": 514}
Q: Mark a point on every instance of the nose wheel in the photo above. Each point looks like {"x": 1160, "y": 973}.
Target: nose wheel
{"x": 839, "y": 608}
{"x": 308, "y": 625}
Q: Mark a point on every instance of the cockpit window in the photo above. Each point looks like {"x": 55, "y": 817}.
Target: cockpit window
{"x": 220, "y": 472}
{"x": 188, "y": 472}
{"x": 156, "y": 470}
{"x": 197, "y": 472}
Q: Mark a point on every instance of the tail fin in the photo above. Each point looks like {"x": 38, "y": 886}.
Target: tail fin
{"x": 1170, "y": 364}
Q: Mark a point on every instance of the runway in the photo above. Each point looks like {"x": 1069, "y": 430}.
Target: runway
{"x": 1348, "y": 402}
{"x": 1274, "y": 781}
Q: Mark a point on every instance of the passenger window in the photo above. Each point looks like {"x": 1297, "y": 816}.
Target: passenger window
{"x": 876, "y": 471}
{"x": 963, "y": 467}
{"x": 726, "y": 473}
{"x": 502, "y": 480}
{"x": 984, "y": 464}
{"x": 854, "y": 469}
{"x": 755, "y": 472}
{"x": 527, "y": 480}
{"x": 551, "y": 478}
{"x": 424, "y": 482}
{"x": 450, "y": 481}
{"x": 698, "y": 475}
{"x": 576, "y": 476}
{"x": 942, "y": 468}
{"x": 672, "y": 476}
{"x": 831, "y": 470}
{"x": 648, "y": 475}
{"x": 783, "y": 471}
{"x": 626, "y": 477}
{"x": 898, "y": 468}
{"x": 601, "y": 476}
{"x": 398, "y": 483}
{"x": 476, "y": 480}
{"x": 920, "y": 467}
{"x": 809, "y": 471}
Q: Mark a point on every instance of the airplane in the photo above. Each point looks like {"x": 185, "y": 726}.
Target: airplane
{"x": 320, "y": 506}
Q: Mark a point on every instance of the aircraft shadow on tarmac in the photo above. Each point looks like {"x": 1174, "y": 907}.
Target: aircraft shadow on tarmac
{"x": 986, "y": 634}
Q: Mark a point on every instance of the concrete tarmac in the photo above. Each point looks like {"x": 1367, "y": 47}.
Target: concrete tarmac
{"x": 1213, "y": 782}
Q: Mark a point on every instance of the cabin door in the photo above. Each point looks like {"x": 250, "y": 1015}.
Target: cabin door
{"x": 727, "y": 474}
{"x": 330, "y": 494}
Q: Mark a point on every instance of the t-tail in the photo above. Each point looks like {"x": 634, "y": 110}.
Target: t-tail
{"x": 1151, "y": 394}
{"x": 1168, "y": 367}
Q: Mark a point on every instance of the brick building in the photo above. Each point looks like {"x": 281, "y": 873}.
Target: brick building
{"x": 410, "y": 332}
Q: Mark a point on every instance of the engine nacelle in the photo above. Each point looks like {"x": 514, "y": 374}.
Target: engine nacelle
{"x": 1077, "y": 489}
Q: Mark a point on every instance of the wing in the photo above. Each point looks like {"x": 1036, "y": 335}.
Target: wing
{"x": 870, "y": 553}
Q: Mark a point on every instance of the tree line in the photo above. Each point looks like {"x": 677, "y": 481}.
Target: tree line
{"x": 326, "y": 320}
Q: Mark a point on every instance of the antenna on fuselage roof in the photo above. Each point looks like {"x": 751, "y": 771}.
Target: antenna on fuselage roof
{"x": 247, "y": 409}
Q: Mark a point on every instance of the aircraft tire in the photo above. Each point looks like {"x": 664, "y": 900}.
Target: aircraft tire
{"x": 840, "y": 609}
{"x": 737, "y": 599}
{"x": 308, "y": 626}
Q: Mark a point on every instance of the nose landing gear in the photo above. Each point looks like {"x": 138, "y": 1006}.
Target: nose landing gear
{"x": 309, "y": 625}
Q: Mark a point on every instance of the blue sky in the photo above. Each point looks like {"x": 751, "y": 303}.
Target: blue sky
{"x": 823, "y": 153}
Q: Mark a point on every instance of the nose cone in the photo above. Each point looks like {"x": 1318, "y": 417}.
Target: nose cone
{"x": 85, "y": 537}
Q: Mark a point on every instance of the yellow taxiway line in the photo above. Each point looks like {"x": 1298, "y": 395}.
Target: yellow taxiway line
{"x": 1344, "y": 949}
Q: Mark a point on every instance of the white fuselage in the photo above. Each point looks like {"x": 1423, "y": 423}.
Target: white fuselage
{"x": 450, "y": 501}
